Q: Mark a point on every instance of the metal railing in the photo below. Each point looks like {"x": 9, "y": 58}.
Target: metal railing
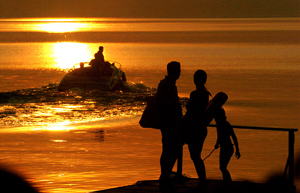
{"x": 291, "y": 156}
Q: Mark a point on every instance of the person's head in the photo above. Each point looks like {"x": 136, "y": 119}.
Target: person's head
{"x": 101, "y": 48}
{"x": 200, "y": 78}
{"x": 174, "y": 70}
{"x": 220, "y": 115}
{"x": 81, "y": 64}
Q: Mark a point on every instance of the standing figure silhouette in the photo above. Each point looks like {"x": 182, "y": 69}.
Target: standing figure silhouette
{"x": 225, "y": 133}
{"x": 170, "y": 114}
{"x": 194, "y": 128}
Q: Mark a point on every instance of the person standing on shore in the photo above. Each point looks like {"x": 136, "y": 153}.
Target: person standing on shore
{"x": 170, "y": 114}
{"x": 225, "y": 133}
{"x": 194, "y": 128}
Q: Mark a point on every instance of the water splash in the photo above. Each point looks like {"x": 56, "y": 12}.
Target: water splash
{"x": 45, "y": 105}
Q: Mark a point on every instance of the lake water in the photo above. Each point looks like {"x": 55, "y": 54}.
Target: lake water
{"x": 83, "y": 141}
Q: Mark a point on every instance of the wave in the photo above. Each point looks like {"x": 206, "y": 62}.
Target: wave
{"x": 46, "y": 105}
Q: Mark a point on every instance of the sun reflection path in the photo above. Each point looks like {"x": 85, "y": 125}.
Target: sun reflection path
{"x": 62, "y": 126}
{"x": 66, "y": 54}
{"x": 61, "y": 27}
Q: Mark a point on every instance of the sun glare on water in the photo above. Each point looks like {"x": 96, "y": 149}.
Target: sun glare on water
{"x": 61, "y": 27}
{"x": 66, "y": 54}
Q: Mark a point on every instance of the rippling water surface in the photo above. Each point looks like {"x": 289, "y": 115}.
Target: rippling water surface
{"x": 87, "y": 140}
{"x": 44, "y": 106}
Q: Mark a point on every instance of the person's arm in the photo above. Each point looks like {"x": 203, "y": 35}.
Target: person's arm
{"x": 217, "y": 144}
{"x": 237, "y": 149}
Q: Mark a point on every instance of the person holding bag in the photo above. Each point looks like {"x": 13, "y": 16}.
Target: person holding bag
{"x": 170, "y": 117}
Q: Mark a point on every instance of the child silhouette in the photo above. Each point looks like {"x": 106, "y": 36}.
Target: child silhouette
{"x": 225, "y": 133}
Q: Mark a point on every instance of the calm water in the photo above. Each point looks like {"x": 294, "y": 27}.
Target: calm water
{"x": 82, "y": 141}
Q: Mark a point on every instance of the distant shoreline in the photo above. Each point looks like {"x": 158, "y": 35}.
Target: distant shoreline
{"x": 257, "y": 36}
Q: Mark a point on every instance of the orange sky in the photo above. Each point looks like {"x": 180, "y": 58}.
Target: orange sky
{"x": 149, "y": 8}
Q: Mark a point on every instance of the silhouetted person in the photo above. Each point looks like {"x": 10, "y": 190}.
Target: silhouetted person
{"x": 81, "y": 65}
{"x": 225, "y": 133}
{"x": 99, "y": 65}
{"x": 95, "y": 63}
{"x": 194, "y": 129}
{"x": 99, "y": 55}
{"x": 98, "y": 58}
{"x": 13, "y": 182}
{"x": 170, "y": 113}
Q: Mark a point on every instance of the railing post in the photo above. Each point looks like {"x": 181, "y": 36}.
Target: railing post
{"x": 291, "y": 159}
{"x": 179, "y": 162}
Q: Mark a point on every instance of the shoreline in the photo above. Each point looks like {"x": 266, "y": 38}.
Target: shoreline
{"x": 255, "y": 37}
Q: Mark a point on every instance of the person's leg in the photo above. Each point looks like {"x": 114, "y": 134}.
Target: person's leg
{"x": 170, "y": 152}
{"x": 225, "y": 156}
{"x": 168, "y": 158}
{"x": 195, "y": 154}
{"x": 167, "y": 162}
{"x": 195, "y": 150}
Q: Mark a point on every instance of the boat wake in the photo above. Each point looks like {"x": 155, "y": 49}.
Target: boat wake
{"x": 46, "y": 105}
